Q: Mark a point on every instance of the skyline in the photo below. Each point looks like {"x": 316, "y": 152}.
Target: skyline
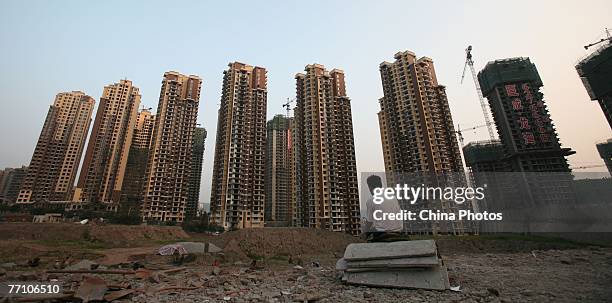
{"x": 44, "y": 59}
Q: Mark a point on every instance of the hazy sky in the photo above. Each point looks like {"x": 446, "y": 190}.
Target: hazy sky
{"x": 54, "y": 46}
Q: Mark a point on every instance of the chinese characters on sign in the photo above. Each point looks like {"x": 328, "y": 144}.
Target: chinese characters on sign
{"x": 534, "y": 109}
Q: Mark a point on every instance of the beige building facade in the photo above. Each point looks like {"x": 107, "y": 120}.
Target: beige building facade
{"x": 102, "y": 174}
{"x": 58, "y": 152}
{"x": 168, "y": 173}
{"x": 326, "y": 172}
{"x": 237, "y": 194}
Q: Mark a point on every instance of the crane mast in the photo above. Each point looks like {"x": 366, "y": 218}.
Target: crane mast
{"x": 485, "y": 111}
{"x": 287, "y": 105}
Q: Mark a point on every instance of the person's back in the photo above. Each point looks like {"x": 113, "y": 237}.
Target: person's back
{"x": 377, "y": 224}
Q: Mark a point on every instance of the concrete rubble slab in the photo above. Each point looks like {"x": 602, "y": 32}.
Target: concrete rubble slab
{"x": 427, "y": 261}
{"x": 82, "y": 265}
{"x": 435, "y": 278}
{"x": 341, "y": 264}
{"x": 401, "y": 249}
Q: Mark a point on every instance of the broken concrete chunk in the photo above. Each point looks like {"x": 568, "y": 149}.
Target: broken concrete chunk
{"x": 92, "y": 289}
{"x": 83, "y": 265}
{"x": 401, "y": 249}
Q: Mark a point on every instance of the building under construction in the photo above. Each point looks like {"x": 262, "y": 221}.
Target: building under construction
{"x": 327, "y": 168}
{"x": 237, "y": 194}
{"x": 197, "y": 157}
{"x": 528, "y": 143}
{"x": 605, "y": 152}
{"x": 278, "y": 171}
{"x": 134, "y": 178}
{"x": 10, "y": 183}
{"x": 596, "y": 74}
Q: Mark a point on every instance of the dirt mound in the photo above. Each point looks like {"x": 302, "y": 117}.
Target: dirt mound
{"x": 274, "y": 242}
{"x": 78, "y": 232}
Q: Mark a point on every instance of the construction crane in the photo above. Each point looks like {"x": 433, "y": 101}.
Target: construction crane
{"x": 287, "y": 105}
{"x": 608, "y": 38}
{"x": 485, "y": 111}
{"x": 587, "y": 166}
{"x": 460, "y": 131}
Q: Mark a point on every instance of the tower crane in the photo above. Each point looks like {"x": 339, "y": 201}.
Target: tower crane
{"x": 608, "y": 38}
{"x": 469, "y": 62}
{"x": 287, "y": 105}
{"x": 587, "y": 166}
{"x": 460, "y": 131}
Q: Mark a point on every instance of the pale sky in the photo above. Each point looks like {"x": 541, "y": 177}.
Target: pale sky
{"x": 54, "y": 46}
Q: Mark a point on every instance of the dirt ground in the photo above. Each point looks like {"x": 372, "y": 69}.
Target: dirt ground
{"x": 297, "y": 265}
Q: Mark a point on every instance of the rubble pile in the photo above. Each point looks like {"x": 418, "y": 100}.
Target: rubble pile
{"x": 404, "y": 264}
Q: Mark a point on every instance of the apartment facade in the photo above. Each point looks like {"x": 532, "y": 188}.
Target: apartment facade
{"x": 326, "y": 170}
{"x": 169, "y": 167}
{"x": 237, "y": 195}
{"x": 134, "y": 177}
{"x": 10, "y": 183}
{"x": 418, "y": 136}
{"x": 56, "y": 158}
{"x": 279, "y": 160}
{"x": 415, "y": 122}
{"x": 197, "y": 158}
{"x": 103, "y": 171}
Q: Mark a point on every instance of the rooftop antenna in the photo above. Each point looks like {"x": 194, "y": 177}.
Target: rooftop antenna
{"x": 485, "y": 112}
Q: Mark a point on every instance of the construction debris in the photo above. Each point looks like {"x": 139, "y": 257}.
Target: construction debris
{"x": 404, "y": 264}
{"x": 83, "y": 265}
{"x": 183, "y": 248}
{"x": 92, "y": 289}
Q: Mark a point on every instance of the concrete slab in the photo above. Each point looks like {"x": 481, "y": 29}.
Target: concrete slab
{"x": 435, "y": 278}
{"x": 401, "y": 249}
{"x": 194, "y": 247}
{"x": 427, "y": 261}
{"x": 341, "y": 264}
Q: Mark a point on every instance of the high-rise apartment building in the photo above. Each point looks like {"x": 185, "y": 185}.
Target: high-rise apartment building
{"x": 134, "y": 177}
{"x": 326, "y": 171}
{"x": 415, "y": 122}
{"x": 418, "y": 136}
{"x": 57, "y": 155}
{"x": 197, "y": 157}
{"x": 11, "y": 180}
{"x": 237, "y": 194}
{"x": 102, "y": 174}
{"x": 596, "y": 72}
{"x": 169, "y": 167}
{"x": 279, "y": 161}
{"x": 143, "y": 129}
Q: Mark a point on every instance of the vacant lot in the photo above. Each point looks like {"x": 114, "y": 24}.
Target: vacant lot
{"x": 292, "y": 264}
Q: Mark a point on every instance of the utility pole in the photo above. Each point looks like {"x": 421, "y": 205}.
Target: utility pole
{"x": 485, "y": 111}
